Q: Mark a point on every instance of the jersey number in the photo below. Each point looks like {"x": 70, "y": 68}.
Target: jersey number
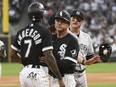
{"x": 29, "y": 43}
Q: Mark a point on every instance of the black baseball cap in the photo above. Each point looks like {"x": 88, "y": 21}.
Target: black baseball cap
{"x": 51, "y": 20}
{"x": 78, "y": 13}
{"x": 64, "y": 15}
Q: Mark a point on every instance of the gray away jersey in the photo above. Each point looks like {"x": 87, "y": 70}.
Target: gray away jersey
{"x": 85, "y": 48}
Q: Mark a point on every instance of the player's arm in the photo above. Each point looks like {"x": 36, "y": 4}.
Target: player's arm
{"x": 1, "y": 55}
{"x": 49, "y": 58}
{"x": 89, "y": 61}
{"x": 63, "y": 64}
{"x": 15, "y": 49}
{"x": 51, "y": 62}
{"x": 14, "y": 56}
{"x": 90, "y": 57}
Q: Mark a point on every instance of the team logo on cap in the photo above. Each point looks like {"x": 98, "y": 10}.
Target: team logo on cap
{"x": 61, "y": 13}
{"x": 78, "y": 13}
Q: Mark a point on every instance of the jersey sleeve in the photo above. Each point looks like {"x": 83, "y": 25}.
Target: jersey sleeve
{"x": 72, "y": 51}
{"x": 90, "y": 47}
{"x": 16, "y": 43}
{"x": 47, "y": 41}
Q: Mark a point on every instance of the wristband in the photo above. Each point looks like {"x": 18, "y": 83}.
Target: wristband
{"x": 83, "y": 62}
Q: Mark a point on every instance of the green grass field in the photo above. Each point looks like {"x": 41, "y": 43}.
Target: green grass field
{"x": 102, "y": 68}
{"x": 14, "y": 68}
{"x": 9, "y": 69}
{"x": 102, "y": 85}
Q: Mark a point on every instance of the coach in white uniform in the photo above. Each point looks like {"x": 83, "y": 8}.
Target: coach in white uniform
{"x": 85, "y": 44}
{"x": 2, "y": 53}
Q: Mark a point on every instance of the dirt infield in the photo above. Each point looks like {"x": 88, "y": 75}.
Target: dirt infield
{"x": 92, "y": 78}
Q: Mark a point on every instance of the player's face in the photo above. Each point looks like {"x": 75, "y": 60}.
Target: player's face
{"x": 75, "y": 22}
{"x": 61, "y": 25}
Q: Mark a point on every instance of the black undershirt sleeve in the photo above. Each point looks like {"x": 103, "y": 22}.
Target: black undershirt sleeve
{"x": 66, "y": 66}
{"x": 89, "y": 56}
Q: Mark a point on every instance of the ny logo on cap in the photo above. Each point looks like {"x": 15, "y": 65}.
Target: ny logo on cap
{"x": 61, "y": 13}
{"x": 78, "y": 13}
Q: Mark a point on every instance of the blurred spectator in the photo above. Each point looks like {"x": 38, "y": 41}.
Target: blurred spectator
{"x": 15, "y": 9}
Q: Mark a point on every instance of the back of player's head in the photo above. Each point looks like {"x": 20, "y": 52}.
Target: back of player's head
{"x": 63, "y": 15}
{"x": 35, "y": 11}
{"x": 51, "y": 20}
{"x": 78, "y": 13}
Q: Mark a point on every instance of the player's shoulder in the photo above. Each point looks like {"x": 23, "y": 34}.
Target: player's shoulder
{"x": 72, "y": 34}
{"x": 84, "y": 34}
{"x": 73, "y": 37}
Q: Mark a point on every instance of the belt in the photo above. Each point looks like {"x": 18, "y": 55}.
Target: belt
{"x": 80, "y": 71}
{"x": 32, "y": 66}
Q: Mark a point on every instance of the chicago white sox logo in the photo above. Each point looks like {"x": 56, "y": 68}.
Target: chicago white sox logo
{"x": 61, "y": 13}
{"x": 62, "y": 51}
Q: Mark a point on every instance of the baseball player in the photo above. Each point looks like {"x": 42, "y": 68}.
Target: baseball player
{"x": 80, "y": 60}
{"x": 51, "y": 23}
{"x": 2, "y": 54}
{"x": 86, "y": 48}
{"x": 30, "y": 43}
{"x": 65, "y": 50}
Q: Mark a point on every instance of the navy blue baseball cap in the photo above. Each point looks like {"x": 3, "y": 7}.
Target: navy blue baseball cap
{"x": 78, "y": 13}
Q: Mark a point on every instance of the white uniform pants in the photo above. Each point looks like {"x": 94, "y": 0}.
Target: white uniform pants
{"x": 34, "y": 77}
{"x": 68, "y": 79}
{"x": 80, "y": 78}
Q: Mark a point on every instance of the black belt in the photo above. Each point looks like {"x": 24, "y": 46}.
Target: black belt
{"x": 32, "y": 66}
{"x": 80, "y": 71}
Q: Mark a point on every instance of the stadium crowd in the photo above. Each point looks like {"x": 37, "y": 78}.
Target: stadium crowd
{"x": 100, "y": 16}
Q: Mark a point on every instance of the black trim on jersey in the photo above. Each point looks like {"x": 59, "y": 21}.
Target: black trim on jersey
{"x": 65, "y": 66}
{"x": 89, "y": 56}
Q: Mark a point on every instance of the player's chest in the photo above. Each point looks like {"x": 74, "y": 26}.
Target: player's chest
{"x": 60, "y": 47}
{"x": 83, "y": 45}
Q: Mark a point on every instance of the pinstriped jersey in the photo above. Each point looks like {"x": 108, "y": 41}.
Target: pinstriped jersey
{"x": 85, "y": 46}
{"x": 31, "y": 42}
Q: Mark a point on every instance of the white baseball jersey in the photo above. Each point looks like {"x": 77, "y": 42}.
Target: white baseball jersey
{"x": 86, "y": 49}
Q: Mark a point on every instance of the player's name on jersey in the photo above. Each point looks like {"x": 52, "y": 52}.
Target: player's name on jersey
{"x": 30, "y": 33}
